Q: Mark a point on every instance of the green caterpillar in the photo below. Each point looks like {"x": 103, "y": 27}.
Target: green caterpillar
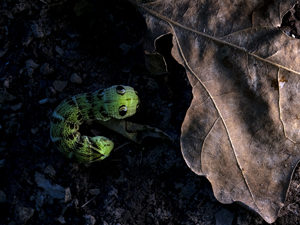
{"x": 117, "y": 102}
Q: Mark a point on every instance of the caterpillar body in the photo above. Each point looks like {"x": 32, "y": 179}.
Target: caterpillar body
{"x": 116, "y": 102}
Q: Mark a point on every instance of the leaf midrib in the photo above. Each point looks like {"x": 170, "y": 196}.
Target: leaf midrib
{"x": 152, "y": 12}
{"x": 171, "y": 23}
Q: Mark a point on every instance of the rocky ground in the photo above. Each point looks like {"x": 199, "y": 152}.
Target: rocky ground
{"x": 51, "y": 49}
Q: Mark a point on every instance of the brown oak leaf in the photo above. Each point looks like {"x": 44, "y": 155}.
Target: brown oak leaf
{"x": 242, "y": 129}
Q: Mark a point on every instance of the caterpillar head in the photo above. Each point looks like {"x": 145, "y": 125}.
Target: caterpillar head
{"x": 120, "y": 101}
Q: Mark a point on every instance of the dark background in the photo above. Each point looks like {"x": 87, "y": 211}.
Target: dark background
{"x": 51, "y": 49}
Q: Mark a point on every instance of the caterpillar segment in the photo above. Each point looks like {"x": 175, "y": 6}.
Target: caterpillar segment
{"x": 93, "y": 149}
{"x": 117, "y": 102}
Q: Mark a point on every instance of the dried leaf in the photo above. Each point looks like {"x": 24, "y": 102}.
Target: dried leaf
{"x": 242, "y": 130}
{"x": 133, "y": 131}
{"x": 155, "y": 63}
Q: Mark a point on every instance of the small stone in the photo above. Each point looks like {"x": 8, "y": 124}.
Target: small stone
{"x": 89, "y": 220}
{"x": 50, "y": 171}
{"x": 59, "y": 85}
{"x": 5, "y": 96}
{"x": 2, "y": 163}
{"x": 23, "y": 214}
{"x": 43, "y": 101}
{"x": 27, "y": 38}
{"x": 52, "y": 90}
{"x": 40, "y": 198}
{"x": 2, "y": 196}
{"x": 75, "y": 78}
{"x": 76, "y": 203}
{"x": 94, "y": 191}
{"x": 16, "y": 107}
{"x": 20, "y": 7}
{"x": 53, "y": 190}
{"x": 2, "y": 52}
{"x": 6, "y": 83}
{"x": 68, "y": 196}
{"x": 46, "y": 69}
{"x": 31, "y": 63}
{"x": 37, "y": 30}
{"x": 61, "y": 219}
{"x": 59, "y": 50}
{"x": 30, "y": 66}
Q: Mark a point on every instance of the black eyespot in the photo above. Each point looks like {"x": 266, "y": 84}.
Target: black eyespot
{"x": 79, "y": 117}
{"x": 72, "y": 126}
{"x": 104, "y": 113}
{"x": 120, "y": 90}
{"x": 122, "y": 110}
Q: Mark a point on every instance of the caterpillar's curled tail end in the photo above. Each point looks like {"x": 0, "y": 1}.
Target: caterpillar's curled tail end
{"x": 93, "y": 149}
{"x": 103, "y": 144}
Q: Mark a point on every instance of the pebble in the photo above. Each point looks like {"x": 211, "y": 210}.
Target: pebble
{"x": 31, "y": 63}
{"x": 89, "y": 220}
{"x": 16, "y": 107}
{"x": 6, "y": 83}
{"x": 2, "y": 163}
{"x": 52, "y": 90}
{"x": 68, "y": 195}
{"x": 61, "y": 219}
{"x": 59, "y": 50}
{"x": 23, "y": 214}
{"x": 2, "y": 196}
{"x": 40, "y": 199}
{"x": 5, "y": 96}
{"x": 37, "y": 30}
{"x": 31, "y": 66}
{"x": 46, "y": 69}
{"x": 20, "y": 7}
{"x": 94, "y": 191}
{"x": 50, "y": 171}
{"x": 34, "y": 130}
{"x": 43, "y": 101}
{"x": 59, "y": 85}
{"x": 53, "y": 190}
{"x": 2, "y": 52}
{"x": 75, "y": 78}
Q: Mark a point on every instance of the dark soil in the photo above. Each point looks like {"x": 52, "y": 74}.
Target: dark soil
{"x": 51, "y": 49}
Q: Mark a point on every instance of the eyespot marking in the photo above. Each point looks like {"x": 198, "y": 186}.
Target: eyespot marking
{"x": 122, "y": 110}
{"x": 120, "y": 90}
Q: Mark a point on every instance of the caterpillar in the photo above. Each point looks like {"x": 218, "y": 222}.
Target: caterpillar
{"x": 116, "y": 102}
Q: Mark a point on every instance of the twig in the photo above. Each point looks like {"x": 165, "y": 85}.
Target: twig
{"x": 121, "y": 146}
{"x": 85, "y": 204}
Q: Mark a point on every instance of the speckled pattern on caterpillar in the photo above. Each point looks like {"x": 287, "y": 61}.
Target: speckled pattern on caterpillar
{"x": 117, "y": 102}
